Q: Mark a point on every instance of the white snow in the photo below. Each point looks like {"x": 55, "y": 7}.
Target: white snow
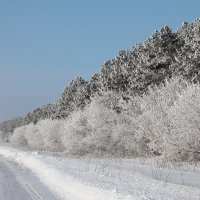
{"x": 108, "y": 179}
{"x": 17, "y": 183}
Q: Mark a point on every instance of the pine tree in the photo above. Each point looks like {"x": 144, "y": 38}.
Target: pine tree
{"x": 75, "y": 96}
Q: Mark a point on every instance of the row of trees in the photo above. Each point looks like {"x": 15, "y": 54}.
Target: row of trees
{"x": 130, "y": 74}
{"x": 165, "y": 121}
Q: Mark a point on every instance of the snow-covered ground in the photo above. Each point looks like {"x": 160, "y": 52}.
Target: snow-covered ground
{"x": 109, "y": 179}
{"x": 17, "y": 183}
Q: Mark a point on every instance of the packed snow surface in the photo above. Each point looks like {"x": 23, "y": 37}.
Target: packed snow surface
{"x": 17, "y": 183}
{"x": 110, "y": 179}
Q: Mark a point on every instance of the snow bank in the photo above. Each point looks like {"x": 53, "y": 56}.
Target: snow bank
{"x": 64, "y": 185}
{"x": 108, "y": 179}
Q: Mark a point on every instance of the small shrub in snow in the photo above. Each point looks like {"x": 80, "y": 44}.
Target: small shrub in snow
{"x": 17, "y": 137}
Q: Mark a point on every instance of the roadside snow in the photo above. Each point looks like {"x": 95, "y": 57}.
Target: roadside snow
{"x": 107, "y": 179}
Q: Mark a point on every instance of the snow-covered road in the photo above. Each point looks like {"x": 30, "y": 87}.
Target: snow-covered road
{"x": 97, "y": 179}
{"x": 20, "y": 184}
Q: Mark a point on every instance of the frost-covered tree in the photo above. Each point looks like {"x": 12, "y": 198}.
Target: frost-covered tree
{"x": 95, "y": 85}
{"x": 154, "y": 124}
{"x": 110, "y": 131}
{"x": 74, "y": 133}
{"x": 45, "y": 135}
{"x": 34, "y": 138}
{"x": 44, "y": 112}
{"x": 99, "y": 129}
{"x": 50, "y": 131}
{"x": 75, "y": 96}
{"x": 7, "y": 127}
{"x": 18, "y": 136}
{"x": 1, "y": 136}
{"x": 183, "y": 142}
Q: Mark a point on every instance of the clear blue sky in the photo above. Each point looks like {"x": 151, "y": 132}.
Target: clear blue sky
{"x": 46, "y": 43}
